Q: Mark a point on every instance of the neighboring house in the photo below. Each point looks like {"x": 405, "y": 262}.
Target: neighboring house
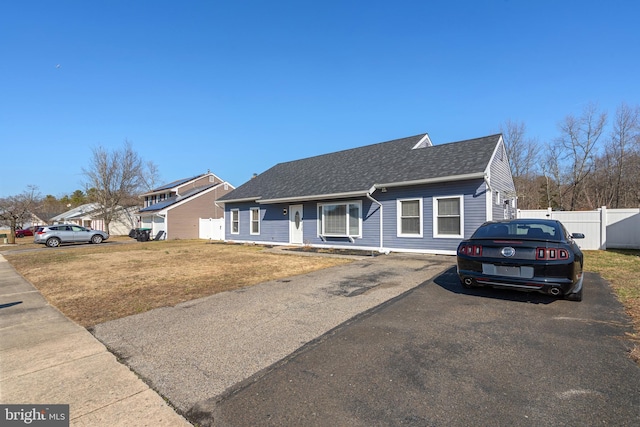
{"x": 31, "y": 220}
{"x": 89, "y": 215}
{"x": 405, "y": 195}
{"x": 176, "y": 208}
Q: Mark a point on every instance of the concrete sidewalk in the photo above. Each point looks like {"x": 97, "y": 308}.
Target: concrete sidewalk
{"x": 45, "y": 358}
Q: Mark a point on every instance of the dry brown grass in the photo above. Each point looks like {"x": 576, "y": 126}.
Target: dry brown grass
{"x": 96, "y": 283}
{"x": 621, "y": 268}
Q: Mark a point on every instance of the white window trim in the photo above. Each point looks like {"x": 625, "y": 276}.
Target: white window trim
{"x": 348, "y": 202}
{"x": 231, "y": 221}
{"x": 436, "y": 235}
{"x": 399, "y": 217}
{"x": 251, "y": 211}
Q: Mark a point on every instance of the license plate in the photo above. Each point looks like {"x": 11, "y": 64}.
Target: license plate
{"x": 507, "y": 270}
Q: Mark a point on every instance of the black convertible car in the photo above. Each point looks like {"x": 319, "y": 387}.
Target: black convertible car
{"x": 523, "y": 254}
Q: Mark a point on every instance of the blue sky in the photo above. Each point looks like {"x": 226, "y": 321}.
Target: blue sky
{"x": 238, "y": 86}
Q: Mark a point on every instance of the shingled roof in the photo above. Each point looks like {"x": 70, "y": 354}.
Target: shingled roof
{"x": 358, "y": 170}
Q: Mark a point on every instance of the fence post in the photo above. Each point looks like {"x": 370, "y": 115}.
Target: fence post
{"x": 603, "y": 228}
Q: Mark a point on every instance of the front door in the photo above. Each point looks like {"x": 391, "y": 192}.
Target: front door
{"x": 295, "y": 224}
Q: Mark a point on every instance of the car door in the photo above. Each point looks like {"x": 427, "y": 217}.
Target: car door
{"x": 80, "y": 234}
{"x": 63, "y": 232}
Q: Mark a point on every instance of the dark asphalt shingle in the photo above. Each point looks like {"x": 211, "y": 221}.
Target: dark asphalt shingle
{"x": 358, "y": 169}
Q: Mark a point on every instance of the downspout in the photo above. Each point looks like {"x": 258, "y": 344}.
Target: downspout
{"x": 381, "y": 220}
{"x": 489, "y": 208}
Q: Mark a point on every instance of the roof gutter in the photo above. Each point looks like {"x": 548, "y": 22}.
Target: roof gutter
{"x": 315, "y": 197}
{"x": 248, "y": 199}
{"x": 449, "y": 178}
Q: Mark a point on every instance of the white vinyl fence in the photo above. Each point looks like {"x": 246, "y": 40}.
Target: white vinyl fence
{"x": 603, "y": 228}
{"x": 211, "y": 229}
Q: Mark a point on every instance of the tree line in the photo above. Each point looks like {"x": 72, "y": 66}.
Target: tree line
{"x": 593, "y": 161}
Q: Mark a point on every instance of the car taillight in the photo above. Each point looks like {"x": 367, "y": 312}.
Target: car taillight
{"x": 39, "y": 232}
{"x": 471, "y": 250}
{"x": 551, "y": 254}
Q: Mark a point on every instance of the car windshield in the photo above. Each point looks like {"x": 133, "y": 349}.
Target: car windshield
{"x": 519, "y": 230}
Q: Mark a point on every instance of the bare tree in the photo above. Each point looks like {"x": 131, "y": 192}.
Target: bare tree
{"x": 16, "y": 210}
{"x": 553, "y": 178}
{"x": 150, "y": 176}
{"x": 577, "y": 146}
{"x": 624, "y": 136}
{"x": 522, "y": 153}
{"x": 114, "y": 179}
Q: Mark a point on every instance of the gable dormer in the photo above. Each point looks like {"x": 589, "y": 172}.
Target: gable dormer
{"x": 424, "y": 142}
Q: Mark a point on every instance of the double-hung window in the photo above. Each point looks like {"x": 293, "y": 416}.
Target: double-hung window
{"x": 409, "y": 217}
{"x": 255, "y": 220}
{"x": 340, "y": 219}
{"x": 448, "y": 218}
{"x": 235, "y": 221}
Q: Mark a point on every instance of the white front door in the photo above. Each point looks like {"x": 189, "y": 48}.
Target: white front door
{"x": 295, "y": 224}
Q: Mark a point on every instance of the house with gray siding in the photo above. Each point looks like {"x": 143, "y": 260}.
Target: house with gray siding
{"x": 405, "y": 195}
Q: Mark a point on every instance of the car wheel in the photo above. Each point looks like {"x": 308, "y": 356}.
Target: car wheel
{"x": 96, "y": 239}
{"x": 574, "y": 297}
{"x": 19, "y": 235}
{"x": 53, "y": 242}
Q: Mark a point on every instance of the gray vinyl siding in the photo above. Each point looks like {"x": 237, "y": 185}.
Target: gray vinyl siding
{"x": 274, "y": 225}
{"x": 370, "y": 225}
{"x": 501, "y": 181}
{"x": 473, "y": 193}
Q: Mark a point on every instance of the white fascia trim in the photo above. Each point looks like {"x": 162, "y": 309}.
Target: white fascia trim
{"x": 425, "y": 141}
{"x": 315, "y": 197}
{"x": 160, "y": 213}
{"x": 463, "y": 177}
{"x": 195, "y": 196}
{"x": 248, "y": 199}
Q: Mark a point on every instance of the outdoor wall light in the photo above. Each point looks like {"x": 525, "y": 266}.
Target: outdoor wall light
{"x": 284, "y": 211}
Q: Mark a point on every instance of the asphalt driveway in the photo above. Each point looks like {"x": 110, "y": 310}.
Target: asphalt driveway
{"x": 196, "y": 350}
{"x": 391, "y": 340}
{"x": 445, "y": 356}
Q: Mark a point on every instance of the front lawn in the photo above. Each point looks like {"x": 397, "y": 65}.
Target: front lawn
{"x": 95, "y": 283}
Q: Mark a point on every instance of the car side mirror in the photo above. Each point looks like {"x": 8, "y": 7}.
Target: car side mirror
{"x": 577, "y": 236}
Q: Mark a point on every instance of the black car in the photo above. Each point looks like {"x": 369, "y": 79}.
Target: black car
{"x": 523, "y": 254}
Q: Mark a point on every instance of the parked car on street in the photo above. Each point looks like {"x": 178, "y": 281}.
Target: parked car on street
{"x": 54, "y": 235}
{"x": 25, "y": 232}
{"x": 523, "y": 254}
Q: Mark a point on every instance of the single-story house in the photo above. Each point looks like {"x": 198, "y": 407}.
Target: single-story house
{"x": 405, "y": 195}
{"x": 176, "y": 208}
{"x": 89, "y": 215}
